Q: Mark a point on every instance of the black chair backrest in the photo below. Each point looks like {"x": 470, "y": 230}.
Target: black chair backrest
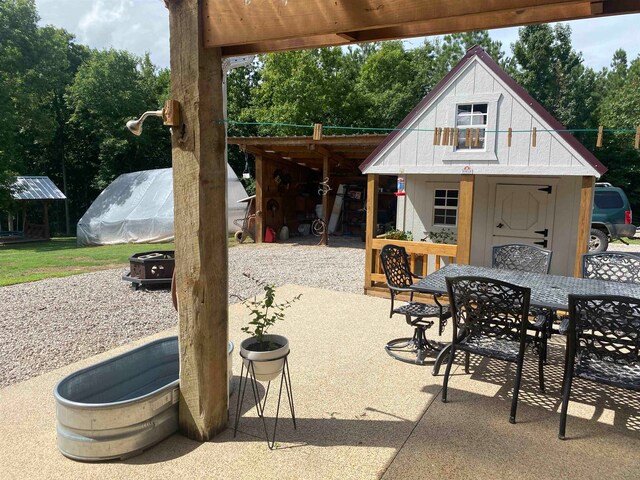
{"x": 524, "y": 258}
{"x": 395, "y": 264}
{"x": 612, "y": 266}
{"x": 605, "y": 327}
{"x": 489, "y": 307}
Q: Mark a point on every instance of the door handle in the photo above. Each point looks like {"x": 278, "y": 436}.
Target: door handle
{"x": 543, "y": 243}
{"x": 500, "y": 225}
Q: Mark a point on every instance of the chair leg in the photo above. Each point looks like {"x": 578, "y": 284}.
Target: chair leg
{"x": 566, "y": 393}
{"x": 445, "y": 383}
{"x": 541, "y": 362}
{"x": 467, "y": 355}
{"x": 516, "y": 391}
{"x": 391, "y": 310}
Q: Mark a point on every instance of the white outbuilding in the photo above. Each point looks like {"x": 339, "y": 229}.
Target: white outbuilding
{"x": 485, "y": 163}
{"x": 138, "y": 208}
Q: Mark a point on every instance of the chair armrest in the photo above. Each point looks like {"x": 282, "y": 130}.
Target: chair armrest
{"x": 420, "y": 277}
{"x": 402, "y": 290}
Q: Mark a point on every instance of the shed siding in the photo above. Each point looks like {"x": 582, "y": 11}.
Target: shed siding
{"x": 414, "y": 152}
{"x": 417, "y": 216}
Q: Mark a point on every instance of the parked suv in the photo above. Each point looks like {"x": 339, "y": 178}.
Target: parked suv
{"x": 612, "y": 217}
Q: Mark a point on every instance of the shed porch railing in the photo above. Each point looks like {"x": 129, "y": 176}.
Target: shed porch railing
{"x": 420, "y": 254}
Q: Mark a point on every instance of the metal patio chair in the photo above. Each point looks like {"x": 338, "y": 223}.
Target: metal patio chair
{"x": 420, "y": 316}
{"x": 490, "y": 318}
{"x": 528, "y": 258}
{"x": 611, "y": 266}
{"x": 603, "y": 345}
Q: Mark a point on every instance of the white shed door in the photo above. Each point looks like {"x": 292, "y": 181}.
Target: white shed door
{"x": 523, "y": 214}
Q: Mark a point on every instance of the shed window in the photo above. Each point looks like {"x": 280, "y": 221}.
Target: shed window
{"x": 445, "y": 208}
{"x": 472, "y": 118}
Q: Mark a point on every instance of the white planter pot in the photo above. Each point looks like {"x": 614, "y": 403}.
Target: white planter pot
{"x": 265, "y": 370}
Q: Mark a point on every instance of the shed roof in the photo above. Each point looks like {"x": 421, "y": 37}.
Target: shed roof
{"x": 36, "y": 188}
{"x": 482, "y": 56}
{"x": 346, "y": 151}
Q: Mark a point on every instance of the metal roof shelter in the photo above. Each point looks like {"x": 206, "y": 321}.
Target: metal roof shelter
{"x": 36, "y": 188}
{"x": 203, "y": 32}
{"x": 29, "y": 190}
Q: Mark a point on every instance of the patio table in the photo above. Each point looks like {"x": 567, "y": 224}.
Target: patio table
{"x": 547, "y": 291}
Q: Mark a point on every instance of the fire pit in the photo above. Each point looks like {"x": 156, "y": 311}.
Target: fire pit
{"x": 151, "y": 268}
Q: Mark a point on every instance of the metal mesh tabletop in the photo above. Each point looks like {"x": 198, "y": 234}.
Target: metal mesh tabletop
{"x": 549, "y": 291}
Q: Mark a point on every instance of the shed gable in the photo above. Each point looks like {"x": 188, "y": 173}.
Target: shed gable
{"x": 477, "y": 79}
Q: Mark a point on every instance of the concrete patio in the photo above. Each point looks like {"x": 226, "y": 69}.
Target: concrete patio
{"x": 360, "y": 414}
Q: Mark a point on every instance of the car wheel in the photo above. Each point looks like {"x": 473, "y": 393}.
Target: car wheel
{"x": 598, "y": 241}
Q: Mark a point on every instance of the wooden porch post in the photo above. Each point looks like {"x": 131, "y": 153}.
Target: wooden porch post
{"x": 259, "y": 200}
{"x": 325, "y": 201}
{"x": 199, "y": 184}
{"x": 465, "y": 218}
{"x": 372, "y": 220}
{"x": 45, "y": 219}
{"x": 584, "y": 222}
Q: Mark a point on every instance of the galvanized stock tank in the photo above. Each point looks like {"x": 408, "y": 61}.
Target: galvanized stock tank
{"x": 121, "y": 406}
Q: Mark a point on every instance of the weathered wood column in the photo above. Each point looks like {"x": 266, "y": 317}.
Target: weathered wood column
{"x": 199, "y": 185}
{"x": 465, "y": 218}
{"x": 325, "y": 201}
{"x": 259, "y": 199}
{"x": 584, "y": 222}
{"x": 372, "y": 223}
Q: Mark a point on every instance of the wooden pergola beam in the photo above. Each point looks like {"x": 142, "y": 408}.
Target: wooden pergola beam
{"x": 242, "y": 28}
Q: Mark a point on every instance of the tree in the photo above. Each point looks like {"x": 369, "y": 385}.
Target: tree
{"x": 545, "y": 64}
{"x": 109, "y": 89}
{"x": 304, "y": 87}
{"x": 620, "y": 109}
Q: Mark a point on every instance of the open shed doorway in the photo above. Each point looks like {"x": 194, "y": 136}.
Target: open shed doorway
{"x": 307, "y": 187}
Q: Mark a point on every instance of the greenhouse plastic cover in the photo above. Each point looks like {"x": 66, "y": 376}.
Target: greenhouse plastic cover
{"x": 138, "y": 208}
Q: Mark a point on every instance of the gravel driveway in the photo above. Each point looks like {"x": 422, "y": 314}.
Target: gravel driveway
{"x": 54, "y": 322}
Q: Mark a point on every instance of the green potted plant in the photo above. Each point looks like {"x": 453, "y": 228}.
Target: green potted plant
{"x": 264, "y": 349}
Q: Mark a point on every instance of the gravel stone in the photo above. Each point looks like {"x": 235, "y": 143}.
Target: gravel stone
{"x": 54, "y": 322}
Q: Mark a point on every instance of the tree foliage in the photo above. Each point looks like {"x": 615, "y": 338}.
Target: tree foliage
{"x": 63, "y": 106}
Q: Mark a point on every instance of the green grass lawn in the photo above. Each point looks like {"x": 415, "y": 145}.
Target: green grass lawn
{"x": 60, "y": 257}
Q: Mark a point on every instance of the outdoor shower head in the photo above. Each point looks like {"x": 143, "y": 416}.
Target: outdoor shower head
{"x": 135, "y": 126}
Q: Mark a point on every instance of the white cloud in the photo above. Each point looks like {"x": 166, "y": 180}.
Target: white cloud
{"x": 138, "y": 26}
{"x": 143, "y": 26}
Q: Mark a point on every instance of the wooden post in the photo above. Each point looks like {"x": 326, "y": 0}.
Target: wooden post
{"x": 317, "y": 131}
{"x": 584, "y": 222}
{"x": 372, "y": 220}
{"x": 200, "y": 187}
{"x": 325, "y": 202}
{"x": 465, "y": 218}
{"x": 259, "y": 199}
{"x": 45, "y": 219}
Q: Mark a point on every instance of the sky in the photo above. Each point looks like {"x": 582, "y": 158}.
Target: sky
{"x": 141, "y": 26}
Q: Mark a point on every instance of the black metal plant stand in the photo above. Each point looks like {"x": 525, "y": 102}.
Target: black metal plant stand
{"x": 248, "y": 373}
